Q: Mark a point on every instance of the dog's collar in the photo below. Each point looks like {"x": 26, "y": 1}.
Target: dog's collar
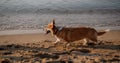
{"x": 59, "y": 28}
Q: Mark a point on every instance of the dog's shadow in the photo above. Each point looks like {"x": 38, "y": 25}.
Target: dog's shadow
{"x": 103, "y": 45}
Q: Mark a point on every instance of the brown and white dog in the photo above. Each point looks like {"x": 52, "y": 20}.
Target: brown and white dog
{"x": 73, "y": 34}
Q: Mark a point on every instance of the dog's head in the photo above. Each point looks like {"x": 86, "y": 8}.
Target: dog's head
{"x": 50, "y": 27}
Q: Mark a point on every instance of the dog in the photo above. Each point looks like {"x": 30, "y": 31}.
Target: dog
{"x": 69, "y": 34}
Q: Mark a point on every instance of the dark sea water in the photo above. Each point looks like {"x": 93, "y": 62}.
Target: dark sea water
{"x": 61, "y": 5}
{"x": 34, "y": 14}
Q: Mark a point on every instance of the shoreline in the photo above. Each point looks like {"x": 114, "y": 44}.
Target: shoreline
{"x": 35, "y": 31}
{"x": 112, "y": 35}
{"x": 19, "y": 32}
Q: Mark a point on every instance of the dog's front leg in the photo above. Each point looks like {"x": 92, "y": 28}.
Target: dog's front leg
{"x": 58, "y": 40}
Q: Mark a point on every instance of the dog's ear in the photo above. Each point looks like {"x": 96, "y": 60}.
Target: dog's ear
{"x": 53, "y": 22}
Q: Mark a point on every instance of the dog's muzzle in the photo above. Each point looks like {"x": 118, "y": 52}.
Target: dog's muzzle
{"x": 48, "y": 31}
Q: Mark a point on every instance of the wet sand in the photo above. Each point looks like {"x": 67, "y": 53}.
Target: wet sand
{"x": 40, "y": 48}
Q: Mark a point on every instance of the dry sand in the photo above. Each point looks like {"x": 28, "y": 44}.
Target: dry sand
{"x": 40, "y": 48}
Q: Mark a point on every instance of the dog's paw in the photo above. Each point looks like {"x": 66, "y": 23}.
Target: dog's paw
{"x": 56, "y": 42}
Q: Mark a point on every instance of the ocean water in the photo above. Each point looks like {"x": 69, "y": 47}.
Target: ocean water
{"x": 38, "y": 21}
{"x": 34, "y": 5}
{"x": 35, "y": 14}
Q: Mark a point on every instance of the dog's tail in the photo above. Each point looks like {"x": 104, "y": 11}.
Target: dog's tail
{"x": 103, "y": 32}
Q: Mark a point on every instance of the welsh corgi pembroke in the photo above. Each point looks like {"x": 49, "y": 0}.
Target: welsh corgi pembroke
{"x": 69, "y": 34}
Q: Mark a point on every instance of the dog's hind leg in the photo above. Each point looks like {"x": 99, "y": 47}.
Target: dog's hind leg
{"x": 85, "y": 41}
{"x": 67, "y": 45}
{"x": 93, "y": 37}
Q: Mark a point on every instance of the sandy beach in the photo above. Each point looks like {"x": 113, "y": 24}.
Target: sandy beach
{"x": 40, "y": 48}
{"x": 22, "y": 39}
